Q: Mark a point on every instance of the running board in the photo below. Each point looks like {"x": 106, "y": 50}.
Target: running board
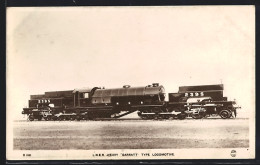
{"x": 124, "y": 114}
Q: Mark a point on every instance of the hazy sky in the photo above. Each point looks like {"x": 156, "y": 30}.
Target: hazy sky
{"x": 71, "y": 47}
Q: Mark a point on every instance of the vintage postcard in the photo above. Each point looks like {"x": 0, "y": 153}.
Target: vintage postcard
{"x": 115, "y": 83}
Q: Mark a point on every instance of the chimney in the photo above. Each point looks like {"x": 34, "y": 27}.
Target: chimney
{"x": 155, "y": 84}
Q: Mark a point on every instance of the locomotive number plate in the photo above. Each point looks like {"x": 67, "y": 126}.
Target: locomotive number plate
{"x": 194, "y": 94}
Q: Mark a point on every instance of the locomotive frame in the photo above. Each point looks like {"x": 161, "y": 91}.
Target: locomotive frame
{"x": 149, "y": 102}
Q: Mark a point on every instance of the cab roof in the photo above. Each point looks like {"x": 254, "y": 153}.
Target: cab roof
{"x": 82, "y": 90}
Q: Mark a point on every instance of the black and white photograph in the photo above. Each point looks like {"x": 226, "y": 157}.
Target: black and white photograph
{"x": 130, "y": 82}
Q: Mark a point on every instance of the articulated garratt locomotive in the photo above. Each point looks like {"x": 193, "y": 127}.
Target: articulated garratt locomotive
{"x": 149, "y": 102}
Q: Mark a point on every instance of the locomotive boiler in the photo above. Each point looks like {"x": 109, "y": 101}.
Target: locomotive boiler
{"x": 149, "y": 102}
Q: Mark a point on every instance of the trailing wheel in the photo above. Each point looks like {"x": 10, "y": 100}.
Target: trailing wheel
{"x": 224, "y": 114}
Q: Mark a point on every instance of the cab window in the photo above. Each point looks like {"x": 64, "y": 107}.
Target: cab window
{"x": 86, "y": 95}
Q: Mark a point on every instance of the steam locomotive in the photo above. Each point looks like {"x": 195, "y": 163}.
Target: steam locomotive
{"x": 149, "y": 102}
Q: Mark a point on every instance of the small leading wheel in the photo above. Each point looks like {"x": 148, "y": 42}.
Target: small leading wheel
{"x": 39, "y": 118}
{"x": 224, "y": 114}
{"x": 31, "y": 118}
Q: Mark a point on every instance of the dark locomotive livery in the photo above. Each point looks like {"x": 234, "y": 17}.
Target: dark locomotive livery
{"x": 149, "y": 102}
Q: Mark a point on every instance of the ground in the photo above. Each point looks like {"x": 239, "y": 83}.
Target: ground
{"x": 131, "y": 134}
